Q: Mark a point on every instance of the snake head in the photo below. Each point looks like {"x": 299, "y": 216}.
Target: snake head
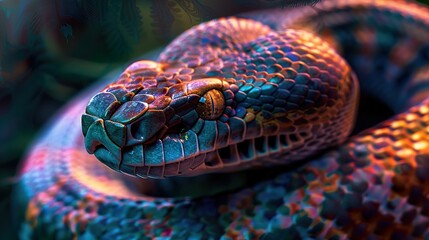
{"x": 150, "y": 118}
{"x": 226, "y": 95}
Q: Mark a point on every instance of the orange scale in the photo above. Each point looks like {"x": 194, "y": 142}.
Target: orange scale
{"x": 400, "y": 133}
{"x": 424, "y": 110}
{"x": 418, "y": 136}
{"x": 398, "y": 124}
{"x": 421, "y": 146}
{"x": 405, "y": 153}
{"x": 382, "y": 131}
{"x": 398, "y": 145}
{"x": 415, "y": 126}
{"x": 368, "y": 139}
{"x": 411, "y": 117}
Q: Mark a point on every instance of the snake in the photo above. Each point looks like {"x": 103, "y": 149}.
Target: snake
{"x": 273, "y": 91}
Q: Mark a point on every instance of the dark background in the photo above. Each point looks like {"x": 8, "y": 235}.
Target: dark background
{"x": 52, "y": 49}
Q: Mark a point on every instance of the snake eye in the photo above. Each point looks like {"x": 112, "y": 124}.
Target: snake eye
{"x": 211, "y": 105}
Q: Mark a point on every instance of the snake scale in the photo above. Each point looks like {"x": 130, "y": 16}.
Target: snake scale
{"x": 245, "y": 92}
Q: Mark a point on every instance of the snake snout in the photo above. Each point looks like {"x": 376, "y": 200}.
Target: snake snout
{"x": 99, "y": 142}
{"x": 113, "y": 125}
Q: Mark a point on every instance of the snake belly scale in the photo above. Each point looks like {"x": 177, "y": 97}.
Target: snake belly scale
{"x": 244, "y": 92}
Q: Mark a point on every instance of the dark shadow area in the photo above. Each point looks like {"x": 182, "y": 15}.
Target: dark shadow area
{"x": 371, "y": 111}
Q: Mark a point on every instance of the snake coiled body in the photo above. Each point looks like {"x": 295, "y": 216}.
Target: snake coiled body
{"x": 240, "y": 93}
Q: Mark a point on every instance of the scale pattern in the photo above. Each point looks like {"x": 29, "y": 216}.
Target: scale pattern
{"x": 268, "y": 99}
{"x": 375, "y": 185}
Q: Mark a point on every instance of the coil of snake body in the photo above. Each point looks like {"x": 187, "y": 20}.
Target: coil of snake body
{"x": 239, "y": 93}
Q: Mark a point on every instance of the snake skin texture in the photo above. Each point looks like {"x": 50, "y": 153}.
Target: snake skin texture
{"x": 217, "y": 102}
{"x": 249, "y": 91}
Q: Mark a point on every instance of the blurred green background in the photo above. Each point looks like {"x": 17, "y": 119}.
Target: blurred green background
{"x": 52, "y": 49}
